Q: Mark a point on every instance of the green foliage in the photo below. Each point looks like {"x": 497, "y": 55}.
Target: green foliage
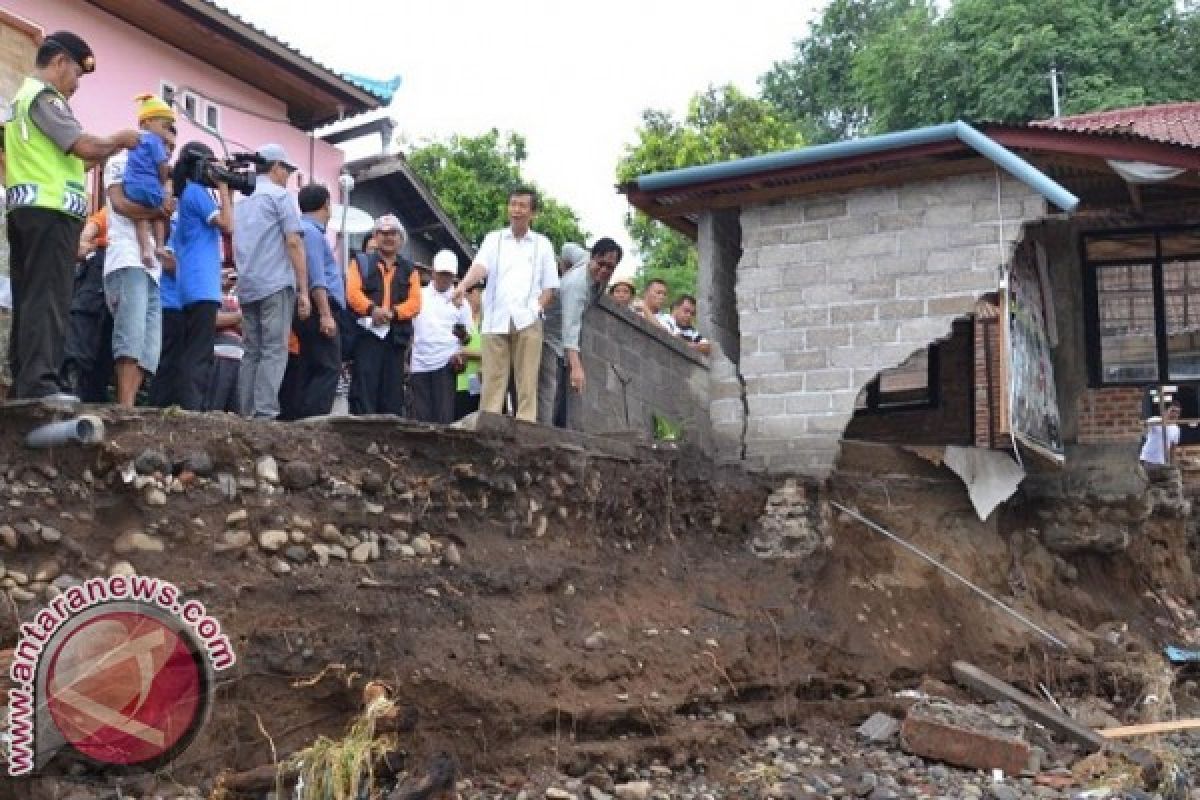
{"x": 666, "y": 429}
{"x": 870, "y": 66}
{"x": 667, "y": 255}
{"x": 817, "y": 87}
{"x": 471, "y": 177}
{"x": 722, "y": 123}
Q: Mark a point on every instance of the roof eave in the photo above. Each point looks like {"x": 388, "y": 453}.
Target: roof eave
{"x": 872, "y": 145}
{"x": 314, "y": 95}
{"x": 380, "y": 166}
{"x": 281, "y": 53}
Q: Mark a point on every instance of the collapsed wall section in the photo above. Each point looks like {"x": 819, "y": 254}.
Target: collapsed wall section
{"x": 833, "y": 288}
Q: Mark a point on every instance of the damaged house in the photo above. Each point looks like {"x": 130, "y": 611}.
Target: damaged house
{"x": 971, "y": 291}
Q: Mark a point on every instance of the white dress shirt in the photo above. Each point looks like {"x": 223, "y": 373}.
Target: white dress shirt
{"x": 518, "y": 270}
{"x": 434, "y": 342}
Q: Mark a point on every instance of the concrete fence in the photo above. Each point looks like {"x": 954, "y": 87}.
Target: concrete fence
{"x": 635, "y": 371}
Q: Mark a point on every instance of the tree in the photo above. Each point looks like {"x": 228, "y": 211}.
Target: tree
{"x": 989, "y": 60}
{"x": 471, "y": 177}
{"x": 721, "y": 123}
{"x": 816, "y": 88}
{"x": 870, "y": 66}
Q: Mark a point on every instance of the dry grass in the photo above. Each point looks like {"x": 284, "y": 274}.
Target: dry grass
{"x": 340, "y": 769}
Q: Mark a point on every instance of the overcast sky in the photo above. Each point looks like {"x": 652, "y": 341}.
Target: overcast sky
{"x": 571, "y": 77}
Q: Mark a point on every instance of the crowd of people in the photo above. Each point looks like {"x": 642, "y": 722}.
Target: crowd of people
{"x": 173, "y": 294}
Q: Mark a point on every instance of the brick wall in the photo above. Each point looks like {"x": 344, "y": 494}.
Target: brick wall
{"x": 1110, "y": 415}
{"x": 833, "y": 288}
{"x": 990, "y": 386}
{"x": 637, "y": 369}
{"x": 950, "y": 421}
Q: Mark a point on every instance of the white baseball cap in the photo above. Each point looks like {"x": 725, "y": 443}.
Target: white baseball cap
{"x": 274, "y": 152}
{"x": 445, "y": 261}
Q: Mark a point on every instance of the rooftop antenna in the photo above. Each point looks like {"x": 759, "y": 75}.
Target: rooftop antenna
{"x": 1054, "y": 90}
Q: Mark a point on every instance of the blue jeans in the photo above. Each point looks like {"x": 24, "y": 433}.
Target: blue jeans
{"x": 265, "y": 327}
{"x": 133, "y": 298}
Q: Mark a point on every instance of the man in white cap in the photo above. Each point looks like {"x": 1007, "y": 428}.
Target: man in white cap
{"x": 383, "y": 289}
{"x": 522, "y": 276}
{"x": 439, "y": 333}
{"x": 268, "y": 246}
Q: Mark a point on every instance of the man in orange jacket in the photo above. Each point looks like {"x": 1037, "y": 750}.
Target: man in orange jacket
{"x": 383, "y": 289}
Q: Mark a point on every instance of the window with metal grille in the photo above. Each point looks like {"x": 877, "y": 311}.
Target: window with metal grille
{"x": 1143, "y": 306}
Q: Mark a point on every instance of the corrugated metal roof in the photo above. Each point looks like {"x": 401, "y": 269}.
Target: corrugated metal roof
{"x": 1176, "y": 123}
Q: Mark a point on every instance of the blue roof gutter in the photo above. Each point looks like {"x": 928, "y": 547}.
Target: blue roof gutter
{"x": 989, "y": 148}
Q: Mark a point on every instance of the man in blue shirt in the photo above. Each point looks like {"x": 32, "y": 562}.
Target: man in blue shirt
{"x": 320, "y": 345}
{"x": 272, "y": 281}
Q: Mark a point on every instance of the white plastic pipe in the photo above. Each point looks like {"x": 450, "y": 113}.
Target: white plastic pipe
{"x": 85, "y": 429}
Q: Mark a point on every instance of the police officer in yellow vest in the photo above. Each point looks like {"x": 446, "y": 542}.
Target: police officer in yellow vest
{"x": 47, "y": 155}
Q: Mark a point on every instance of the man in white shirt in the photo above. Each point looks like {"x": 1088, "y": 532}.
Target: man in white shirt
{"x": 131, "y": 287}
{"x": 439, "y": 333}
{"x": 1153, "y": 452}
{"x": 522, "y": 276}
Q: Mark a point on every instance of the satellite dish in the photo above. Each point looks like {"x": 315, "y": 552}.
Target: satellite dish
{"x": 350, "y": 219}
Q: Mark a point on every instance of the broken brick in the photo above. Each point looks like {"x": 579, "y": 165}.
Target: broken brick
{"x": 963, "y": 747}
{"x": 1058, "y": 782}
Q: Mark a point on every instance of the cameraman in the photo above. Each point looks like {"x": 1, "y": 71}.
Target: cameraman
{"x": 272, "y": 281}
{"x": 196, "y": 242}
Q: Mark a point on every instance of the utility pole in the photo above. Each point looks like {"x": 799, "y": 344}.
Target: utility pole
{"x": 1054, "y": 90}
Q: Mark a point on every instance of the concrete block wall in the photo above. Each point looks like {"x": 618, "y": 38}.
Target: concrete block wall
{"x": 18, "y": 45}
{"x": 636, "y": 370}
{"x": 719, "y": 243}
{"x": 833, "y": 288}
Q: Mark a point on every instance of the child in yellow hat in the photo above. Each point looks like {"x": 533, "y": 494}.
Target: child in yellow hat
{"x": 147, "y": 169}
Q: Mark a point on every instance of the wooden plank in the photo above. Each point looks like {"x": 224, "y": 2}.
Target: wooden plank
{"x": 1149, "y": 728}
{"x": 975, "y": 679}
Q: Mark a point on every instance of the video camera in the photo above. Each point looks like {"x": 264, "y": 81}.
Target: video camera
{"x": 238, "y": 172}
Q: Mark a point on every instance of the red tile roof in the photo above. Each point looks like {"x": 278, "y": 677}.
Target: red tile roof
{"x": 1177, "y": 123}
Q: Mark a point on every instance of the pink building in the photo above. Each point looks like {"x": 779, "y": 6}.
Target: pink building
{"x": 227, "y": 74}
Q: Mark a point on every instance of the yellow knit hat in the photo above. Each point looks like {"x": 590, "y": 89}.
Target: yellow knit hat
{"x": 151, "y": 106}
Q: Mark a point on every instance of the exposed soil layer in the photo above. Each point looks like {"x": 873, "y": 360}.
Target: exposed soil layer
{"x": 606, "y": 603}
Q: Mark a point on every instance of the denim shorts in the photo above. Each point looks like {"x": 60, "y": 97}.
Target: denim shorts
{"x": 133, "y": 299}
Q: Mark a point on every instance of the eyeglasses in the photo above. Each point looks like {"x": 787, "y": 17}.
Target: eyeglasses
{"x": 387, "y": 233}
{"x": 610, "y": 264}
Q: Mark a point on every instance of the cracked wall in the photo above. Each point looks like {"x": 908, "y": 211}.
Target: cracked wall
{"x": 636, "y": 370}
{"x": 830, "y": 289}
{"x": 719, "y": 242}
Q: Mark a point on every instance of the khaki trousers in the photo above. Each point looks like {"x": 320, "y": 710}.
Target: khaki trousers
{"x": 518, "y": 352}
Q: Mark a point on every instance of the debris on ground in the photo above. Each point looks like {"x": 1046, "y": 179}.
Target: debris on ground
{"x": 541, "y": 614}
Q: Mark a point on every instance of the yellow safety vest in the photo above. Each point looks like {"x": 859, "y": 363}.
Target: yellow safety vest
{"x": 39, "y": 174}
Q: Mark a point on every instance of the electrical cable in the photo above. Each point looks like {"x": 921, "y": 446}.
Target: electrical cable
{"x": 922, "y": 554}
